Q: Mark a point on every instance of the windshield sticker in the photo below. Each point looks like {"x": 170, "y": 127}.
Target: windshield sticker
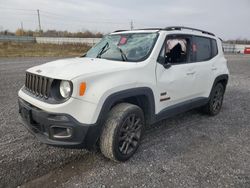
{"x": 123, "y": 41}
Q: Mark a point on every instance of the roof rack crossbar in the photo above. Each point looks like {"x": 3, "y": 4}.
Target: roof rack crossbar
{"x": 189, "y": 28}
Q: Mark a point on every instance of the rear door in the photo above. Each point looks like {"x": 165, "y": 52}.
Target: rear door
{"x": 203, "y": 59}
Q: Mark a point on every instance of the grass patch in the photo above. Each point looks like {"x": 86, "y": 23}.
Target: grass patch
{"x": 11, "y": 49}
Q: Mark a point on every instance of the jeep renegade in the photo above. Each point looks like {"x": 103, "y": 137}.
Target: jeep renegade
{"x": 128, "y": 80}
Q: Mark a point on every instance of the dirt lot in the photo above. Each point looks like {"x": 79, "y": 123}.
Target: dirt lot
{"x": 190, "y": 150}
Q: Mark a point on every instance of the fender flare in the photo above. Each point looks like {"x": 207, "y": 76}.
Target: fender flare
{"x": 95, "y": 131}
{"x": 218, "y": 79}
{"x": 118, "y": 96}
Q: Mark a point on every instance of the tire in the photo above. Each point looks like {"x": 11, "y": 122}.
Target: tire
{"x": 215, "y": 102}
{"x": 122, "y": 132}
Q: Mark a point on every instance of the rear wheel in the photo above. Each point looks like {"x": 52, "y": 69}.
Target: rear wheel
{"x": 122, "y": 132}
{"x": 214, "y": 104}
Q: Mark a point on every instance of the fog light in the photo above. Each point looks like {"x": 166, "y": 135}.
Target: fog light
{"x": 61, "y": 132}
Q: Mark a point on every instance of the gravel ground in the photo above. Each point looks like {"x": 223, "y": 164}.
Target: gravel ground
{"x": 189, "y": 150}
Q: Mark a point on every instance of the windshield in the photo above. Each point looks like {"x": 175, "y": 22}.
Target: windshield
{"x": 131, "y": 47}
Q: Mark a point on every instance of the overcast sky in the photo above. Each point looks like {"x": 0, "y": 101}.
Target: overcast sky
{"x": 228, "y": 19}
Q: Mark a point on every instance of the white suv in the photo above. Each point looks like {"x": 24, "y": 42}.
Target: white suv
{"x": 128, "y": 80}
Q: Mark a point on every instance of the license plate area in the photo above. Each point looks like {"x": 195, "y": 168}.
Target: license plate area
{"x": 26, "y": 114}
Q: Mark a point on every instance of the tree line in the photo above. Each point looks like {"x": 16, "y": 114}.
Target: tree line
{"x": 53, "y": 33}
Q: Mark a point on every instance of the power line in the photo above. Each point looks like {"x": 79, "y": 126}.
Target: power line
{"x": 58, "y": 17}
{"x": 50, "y": 14}
{"x": 18, "y": 9}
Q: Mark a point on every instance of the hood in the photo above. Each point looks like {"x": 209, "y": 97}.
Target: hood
{"x": 68, "y": 69}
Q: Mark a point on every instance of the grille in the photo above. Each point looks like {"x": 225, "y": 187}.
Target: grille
{"x": 38, "y": 85}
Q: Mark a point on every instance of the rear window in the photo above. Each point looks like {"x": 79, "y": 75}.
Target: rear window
{"x": 214, "y": 48}
{"x": 201, "y": 49}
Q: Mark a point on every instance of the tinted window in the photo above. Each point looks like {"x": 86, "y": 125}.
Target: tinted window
{"x": 201, "y": 49}
{"x": 214, "y": 48}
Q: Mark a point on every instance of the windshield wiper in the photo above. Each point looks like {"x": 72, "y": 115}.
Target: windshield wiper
{"x": 103, "y": 50}
{"x": 123, "y": 55}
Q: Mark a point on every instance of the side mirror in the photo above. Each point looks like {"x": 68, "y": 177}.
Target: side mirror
{"x": 164, "y": 62}
{"x": 167, "y": 65}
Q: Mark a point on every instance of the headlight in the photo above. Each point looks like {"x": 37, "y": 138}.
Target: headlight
{"x": 65, "y": 89}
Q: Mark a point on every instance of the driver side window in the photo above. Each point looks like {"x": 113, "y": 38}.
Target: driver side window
{"x": 175, "y": 50}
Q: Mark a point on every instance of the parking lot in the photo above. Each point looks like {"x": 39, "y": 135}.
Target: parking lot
{"x": 189, "y": 150}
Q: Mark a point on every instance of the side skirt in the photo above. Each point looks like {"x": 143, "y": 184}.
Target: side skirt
{"x": 180, "y": 108}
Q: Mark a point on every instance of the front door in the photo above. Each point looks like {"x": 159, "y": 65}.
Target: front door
{"x": 175, "y": 80}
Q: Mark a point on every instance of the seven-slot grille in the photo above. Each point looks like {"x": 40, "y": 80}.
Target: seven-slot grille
{"x": 38, "y": 85}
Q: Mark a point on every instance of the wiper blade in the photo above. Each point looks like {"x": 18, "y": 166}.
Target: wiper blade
{"x": 103, "y": 50}
{"x": 106, "y": 47}
{"x": 123, "y": 55}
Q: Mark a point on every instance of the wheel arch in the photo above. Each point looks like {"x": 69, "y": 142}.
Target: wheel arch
{"x": 223, "y": 79}
{"x": 142, "y": 97}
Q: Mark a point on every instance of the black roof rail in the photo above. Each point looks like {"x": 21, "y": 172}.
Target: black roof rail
{"x": 119, "y": 31}
{"x": 153, "y": 28}
{"x": 137, "y": 29}
{"x": 171, "y": 28}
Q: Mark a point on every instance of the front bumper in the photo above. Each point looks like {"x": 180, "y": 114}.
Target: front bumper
{"x": 57, "y": 129}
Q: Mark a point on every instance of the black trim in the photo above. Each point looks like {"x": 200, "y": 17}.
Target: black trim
{"x": 171, "y": 28}
{"x": 180, "y": 108}
{"x": 223, "y": 77}
{"x": 164, "y": 93}
{"x": 41, "y": 123}
{"x": 54, "y": 96}
{"x": 119, "y": 96}
{"x": 119, "y": 31}
{"x": 165, "y": 99}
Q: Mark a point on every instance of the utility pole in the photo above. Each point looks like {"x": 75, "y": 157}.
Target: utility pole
{"x": 131, "y": 25}
{"x": 39, "y": 22}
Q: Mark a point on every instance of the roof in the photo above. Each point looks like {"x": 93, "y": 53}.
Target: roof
{"x": 170, "y": 28}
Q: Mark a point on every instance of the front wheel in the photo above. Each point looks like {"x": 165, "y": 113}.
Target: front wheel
{"x": 214, "y": 104}
{"x": 122, "y": 132}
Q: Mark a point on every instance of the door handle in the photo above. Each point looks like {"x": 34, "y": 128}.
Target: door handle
{"x": 214, "y": 68}
{"x": 191, "y": 73}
